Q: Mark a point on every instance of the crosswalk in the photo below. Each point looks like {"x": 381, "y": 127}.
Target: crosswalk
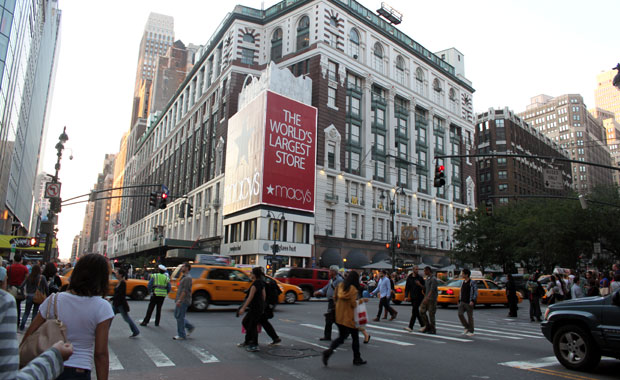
{"x": 300, "y": 334}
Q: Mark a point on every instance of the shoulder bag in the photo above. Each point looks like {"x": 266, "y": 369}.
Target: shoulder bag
{"x": 39, "y": 296}
{"x": 50, "y": 332}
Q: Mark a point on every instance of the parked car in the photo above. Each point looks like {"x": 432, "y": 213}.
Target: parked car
{"x": 136, "y": 289}
{"x": 308, "y": 279}
{"x": 584, "y": 329}
{"x": 489, "y": 293}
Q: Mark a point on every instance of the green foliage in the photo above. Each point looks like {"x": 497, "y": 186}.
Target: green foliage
{"x": 542, "y": 233}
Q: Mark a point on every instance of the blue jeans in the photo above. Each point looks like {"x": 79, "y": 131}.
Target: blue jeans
{"x": 29, "y": 305}
{"x": 121, "y": 310}
{"x": 182, "y": 323}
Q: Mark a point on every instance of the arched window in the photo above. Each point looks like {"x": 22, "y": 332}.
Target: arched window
{"x": 354, "y": 43}
{"x": 378, "y": 57}
{"x": 276, "y": 44}
{"x": 303, "y": 33}
{"x": 248, "y": 38}
{"x": 452, "y": 97}
{"x": 400, "y": 70}
{"x": 437, "y": 91}
{"x": 419, "y": 81}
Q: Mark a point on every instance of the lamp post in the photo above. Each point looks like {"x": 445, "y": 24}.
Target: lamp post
{"x": 56, "y": 200}
{"x": 393, "y": 213}
{"x": 275, "y": 248}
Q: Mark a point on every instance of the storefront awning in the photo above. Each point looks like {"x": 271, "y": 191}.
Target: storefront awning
{"x": 380, "y": 257}
{"x": 331, "y": 256}
{"x": 356, "y": 260}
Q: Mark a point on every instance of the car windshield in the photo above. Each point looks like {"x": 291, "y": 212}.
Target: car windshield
{"x": 454, "y": 283}
{"x": 282, "y": 273}
{"x": 402, "y": 282}
{"x": 176, "y": 272}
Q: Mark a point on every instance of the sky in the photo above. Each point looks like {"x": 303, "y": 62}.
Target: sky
{"x": 513, "y": 50}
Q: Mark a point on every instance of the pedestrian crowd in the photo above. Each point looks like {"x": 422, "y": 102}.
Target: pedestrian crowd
{"x": 86, "y": 315}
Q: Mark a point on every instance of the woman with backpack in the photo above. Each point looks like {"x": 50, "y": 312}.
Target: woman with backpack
{"x": 33, "y": 283}
{"x": 255, "y": 304}
{"x": 272, "y": 292}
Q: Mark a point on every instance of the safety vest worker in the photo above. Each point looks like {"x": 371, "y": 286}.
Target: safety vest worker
{"x": 159, "y": 286}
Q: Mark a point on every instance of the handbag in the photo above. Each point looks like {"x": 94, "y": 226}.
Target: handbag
{"x": 50, "y": 332}
{"x": 39, "y": 296}
{"x": 360, "y": 314}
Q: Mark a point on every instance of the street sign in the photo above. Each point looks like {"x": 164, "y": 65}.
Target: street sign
{"x": 553, "y": 179}
{"x": 52, "y": 189}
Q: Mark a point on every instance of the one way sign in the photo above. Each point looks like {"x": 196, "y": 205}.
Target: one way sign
{"x": 553, "y": 179}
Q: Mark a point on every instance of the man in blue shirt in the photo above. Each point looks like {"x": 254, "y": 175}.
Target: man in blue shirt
{"x": 385, "y": 289}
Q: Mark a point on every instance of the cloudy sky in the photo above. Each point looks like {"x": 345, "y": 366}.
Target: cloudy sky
{"x": 514, "y": 49}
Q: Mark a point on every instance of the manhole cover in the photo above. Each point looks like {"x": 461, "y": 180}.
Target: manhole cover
{"x": 282, "y": 352}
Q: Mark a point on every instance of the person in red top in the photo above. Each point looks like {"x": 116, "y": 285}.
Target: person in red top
{"x": 16, "y": 274}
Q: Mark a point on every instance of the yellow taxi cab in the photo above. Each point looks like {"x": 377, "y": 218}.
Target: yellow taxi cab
{"x": 489, "y": 293}
{"x": 290, "y": 293}
{"x": 223, "y": 285}
{"x": 136, "y": 289}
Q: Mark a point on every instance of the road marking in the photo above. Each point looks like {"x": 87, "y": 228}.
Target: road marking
{"x": 564, "y": 375}
{"x": 290, "y": 371}
{"x": 156, "y": 355}
{"x": 423, "y": 334}
{"x": 536, "y": 363}
{"x": 202, "y": 354}
{"x": 302, "y": 340}
{"x": 397, "y": 342}
{"x": 115, "y": 364}
{"x": 514, "y": 334}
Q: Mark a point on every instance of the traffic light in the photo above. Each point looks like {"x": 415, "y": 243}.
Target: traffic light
{"x": 440, "y": 176}
{"x": 190, "y": 210}
{"x": 34, "y": 242}
{"x": 153, "y": 199}
{"x": 181, "y": 210}
{"x": 387, "y": 245}
{"x": 489, "y": 209}
{"x": 55, "y": 206}
{"x": 163, "y": 200}
{"x": 398, "y": 245}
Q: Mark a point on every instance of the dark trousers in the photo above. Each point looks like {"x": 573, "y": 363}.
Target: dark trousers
{"x": 343, "y": 333}
{"x": 512, "y": 304}
{"x": 330, "y": 319}
{"x": 250, "y": 323}
{"x": 264, "y": 321}
{"x": 385, "y": 302}
{"x": 155, "y": 301}
{"x": 415, "y": 313}
{"x": 535, "y": 308}
{"x": 19, "y": 310}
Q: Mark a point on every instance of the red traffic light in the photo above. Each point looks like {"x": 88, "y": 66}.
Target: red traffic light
{"x": 34, "y": 242}
{"x": 441, "y": 168}
{"x": 398, "y": 245}
{"x": 164, "y": 195}
{"x": 387, "y": 245}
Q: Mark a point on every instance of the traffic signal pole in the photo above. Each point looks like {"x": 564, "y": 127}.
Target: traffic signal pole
{"x": 56, "y": 201}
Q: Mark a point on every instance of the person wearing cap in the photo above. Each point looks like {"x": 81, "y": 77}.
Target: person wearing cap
{"x": 328, "y": 291}
{"x": 159, "y": 286}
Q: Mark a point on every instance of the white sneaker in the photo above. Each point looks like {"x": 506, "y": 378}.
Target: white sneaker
{"x": 469, "y": 333}
{"x": 465, "y": 331}
{"x": 408, "y": 329}
{"x": 176, "y": 337}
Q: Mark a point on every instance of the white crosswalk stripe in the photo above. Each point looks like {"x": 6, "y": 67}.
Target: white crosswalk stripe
{"x": 156, "y": 355}
{"x": 393, "y": 341}
{"x": 437, "y": 336}
{"x": 202, "y": 354}
{"x": 115, "y": 364}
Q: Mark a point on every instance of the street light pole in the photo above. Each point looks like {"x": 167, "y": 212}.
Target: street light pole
{"x": 274, "y": 248}
{"x": 54, "y": 201}
{"x": 392, "y": 200}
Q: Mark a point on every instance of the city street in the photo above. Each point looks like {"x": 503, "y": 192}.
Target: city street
{"x": 502, "y": 348}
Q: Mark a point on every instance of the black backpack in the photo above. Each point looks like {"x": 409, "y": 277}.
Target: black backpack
{"x": 272, "y": 291}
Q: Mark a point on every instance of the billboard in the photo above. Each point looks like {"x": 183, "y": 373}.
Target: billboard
{"x": 271, "y": 155}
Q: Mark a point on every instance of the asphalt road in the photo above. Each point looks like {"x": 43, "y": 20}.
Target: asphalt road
{"x": 502, "y": 348}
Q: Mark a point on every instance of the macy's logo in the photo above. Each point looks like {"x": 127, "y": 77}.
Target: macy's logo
{"x": 290, "y": 193}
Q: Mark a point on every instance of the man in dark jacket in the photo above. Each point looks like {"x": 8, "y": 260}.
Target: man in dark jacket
{"x": 467, "y": 300}
{"x": 414, "y": 291}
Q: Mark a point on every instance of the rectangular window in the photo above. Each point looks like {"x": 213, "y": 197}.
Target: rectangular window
{"x": 300, "y": 233}
{"x": 354, "y": 220}
{"x": 329, "y": 223}
{"x": 502, "y": 174}
{"x": 249, "y": 230}
{"x": 332, "y": 69}
{"x": 331, "y": 97}
{"x": 331, "y": 156}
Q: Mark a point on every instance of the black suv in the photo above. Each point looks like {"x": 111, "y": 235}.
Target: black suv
{"x": 583, "y": 329}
